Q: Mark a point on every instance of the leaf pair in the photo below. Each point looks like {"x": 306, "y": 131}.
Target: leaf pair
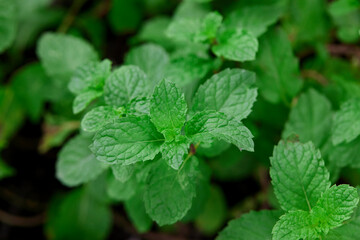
{"x": 215, "y": 115}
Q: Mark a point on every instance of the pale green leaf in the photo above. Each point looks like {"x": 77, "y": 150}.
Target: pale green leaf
{"x": 97, "y": 117}
{"x": 138, "y": 107}
{"x": 209, "y": 27}
{"x": 120, "y": 191}
{"x": 127, "y": 140}
{"x": 183, "y": 29}
{"x": 8, "y": 23}
{"x": 123, "y": 172}
{"x": 231, "y": 91}
{"x": 253, "y": 225}
{"x": 84, "y": 99}
{"x": 310, "y": 119}
{"x": 174, "y": 152}
{"x": 348, "y": 231}
{"x": 209, "y": 125}
{"x": 346, "y": 154}
{"x": 76, "y": 163}
{"x": 236, "y": 45}
{"x": 125, "y": 84}
{"x": 168, "y": 109}
{"x": 346, "y": 125}
{"x": 136, "y": 211}
{"x": 277, "y": 68}
{"x": 298, "y": 174}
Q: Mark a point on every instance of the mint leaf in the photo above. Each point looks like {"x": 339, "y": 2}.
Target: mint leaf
{"x": 8, "y": 23}
{"x": 5, "y": 170}
{"x": 253, "y": 225}
{"x": 138, "y": 107}
{"x": 151, "y": 58}
{"x": 184, "y": 70}
{"x": 61, "y": 55}
{"x": 169, "y": 193}
{"x": 136, "y": 211}
{"x": 209, "y": 125}
{"x": 125, "y": 84}
{"x": 254, "y": 19}
{"x": 298, "y": 175}
{"x": 236, "y": 45}
{"x": 76, "y": 163}
{"x": 277, "y": 68}
{"x": 333, "y": 208}
{"x": 127, "y": 140}
{"x": 183, "y": 29}
{"x": 153, "y": 30}
{"x": 120, "y": 191}
{"x": 310, "y": 119}
{"x": 98, "y": 117}
{"x": 84, "y": 99}
{"x": 90, "y": 76}
{"x": 209, "y": 27}
{"x": 168, "y": 109}
{"x": 122, "y": 173}
{"x": 346, "y": 154}
{"x": 346, "y": 125}
{"x": 173, "y": 152}
{"x": 348, "y": 231}
{"x": 231, "y": 91}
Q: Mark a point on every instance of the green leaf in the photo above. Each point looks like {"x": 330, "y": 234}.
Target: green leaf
{"x": 169, "y": 193}
{"x": 127, "y": 140}
{"x": 348, "y": 231}
{"x": 236, "y": 45}
{"x": 120, "y": 191}
{"x": 209, "y": 125}
{"x": 333, "y": 208}
{"x": 253, "y": 225}
{"x": 173, "y": 152}
{"x": 98, "y": 117}
{"x": 78, "y": 216}
{"x": 209, "y": 27}
{"x": 254, "y": 19}
{"x": 183, "y": 29}
{"x": 168, "y": 109}
{"x": 76, "y": 164}
{"x": 8, "y": 23}
{"x": 277, "y": 68}
{"x": 123, "y": 173}
{"x": 150, "y": 58}
{"x": 342, "y": 7}
{"x": 346, "y": 125}
{"x": 346, "y": 154}
{"x": 154, "y": 31}
{"x": 214, "y": 214}
{"x": 298, "y": 175}
{"x": 138, "y": 107}
{"x": 184, "y": 70}
{"x": 310, "y": 119}
{"x": 84, "y": 99}
{"x": 29, "y": 87}
{"x": 136, "y": 211}
{"x": 90, "y": 76}
{"x": 61, "y": 55}
{"x": 6, "y": 170}
{"x": 231, "y": 91}
{"x": 125, "y": 84}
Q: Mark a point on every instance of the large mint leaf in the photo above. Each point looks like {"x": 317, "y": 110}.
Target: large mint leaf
{"x": 151, "y": 58}
{"x": 61, "y": 55}
{"x": 209, "y": 125}
{"x": 97, "y": 117}
{"x": 136, "y": 211}
{"x": 168, "y": 109}
{"x": 346, "y": 154}
{"x": 90, "y": 76}
{"x": 346, "y": 125}
{"x": 78, "y": 215}
{"x": 125, "y": 84}
{"x": 127, "y": 140}
{"x": 76, "y": 163}
{"x": 298, "y": 175}
{"x": 277, "y": 68}
{"x": 173, "y": 152}
{"x": 231, "y": 91}
{"x": 169, "y": 193}
{"x": 254, "y": 19}
{"x": 310, "y": 119}
{"x": 236, "y": 45}
{"x": 253, "y": 225}
{"x": 8, "y": 23}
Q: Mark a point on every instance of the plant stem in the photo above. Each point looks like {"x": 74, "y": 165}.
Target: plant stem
{"x": 71, "y": 15}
